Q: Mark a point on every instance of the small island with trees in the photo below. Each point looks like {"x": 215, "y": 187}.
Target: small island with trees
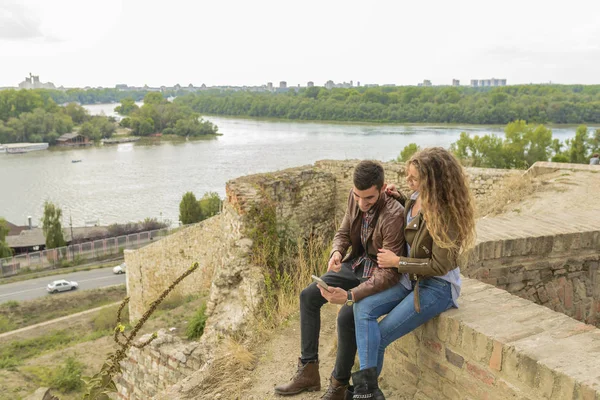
{"x": 33, "y": 116}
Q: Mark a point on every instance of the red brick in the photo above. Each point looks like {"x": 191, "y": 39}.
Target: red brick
{"x": 433, "y": 346}
{"x": 438, "y": 368}
{"x": 480, "y": 374}
{"x": 569, "y": 295}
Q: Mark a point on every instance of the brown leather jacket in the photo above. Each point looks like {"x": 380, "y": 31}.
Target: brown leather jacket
{"x": 426, "y": 259}
{"x": 386, "y": 231}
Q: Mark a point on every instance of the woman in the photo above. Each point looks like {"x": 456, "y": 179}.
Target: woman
{"x": 440, "y": 227}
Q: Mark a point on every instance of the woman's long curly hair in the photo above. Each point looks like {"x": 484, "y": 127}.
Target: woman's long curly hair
{"x": 446, "y": 201}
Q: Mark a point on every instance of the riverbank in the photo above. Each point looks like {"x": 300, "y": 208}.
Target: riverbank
{"x": 494, "y": 127}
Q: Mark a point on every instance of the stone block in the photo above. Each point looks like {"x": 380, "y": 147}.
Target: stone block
{"x": 454, "y": 358}
{"x": 451, "y": 392}
{"x": 426, "y": 361}
{"x": 495, "y": 362}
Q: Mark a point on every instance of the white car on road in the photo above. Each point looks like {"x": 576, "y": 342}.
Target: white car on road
{"x": 120, "y": 269}
{"x": 61, "y": 286}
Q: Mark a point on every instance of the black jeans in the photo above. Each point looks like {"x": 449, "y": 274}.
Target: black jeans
{"x": 311, "y": 302}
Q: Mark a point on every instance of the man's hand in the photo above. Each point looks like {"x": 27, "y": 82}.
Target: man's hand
{"x": 335, "y": 262}
{"x": 387, "y": 259}
{"x": 335, "y": 295}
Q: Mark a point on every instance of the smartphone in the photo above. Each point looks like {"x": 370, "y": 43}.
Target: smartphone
{"x": 320, "y": 282}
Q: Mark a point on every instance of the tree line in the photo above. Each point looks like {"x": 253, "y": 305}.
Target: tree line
{"x": 522, "y": 145}
{"x": 158, "y": 115}
{"x": 557, "y": 104}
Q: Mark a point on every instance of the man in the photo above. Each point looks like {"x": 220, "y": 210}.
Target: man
{"x": 372, "y": 221}
{"x": 595, "y": 160}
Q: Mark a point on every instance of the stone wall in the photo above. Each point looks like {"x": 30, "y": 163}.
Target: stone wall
{"x": 236, "y": 288}
{"x": 483, "y": 180}
{"x": 304, "y": 198}
{"x": 149, "y": 371}
{"x": 151, "y": 270}
{"x": 496, "y": 346}
{"x": 559, "y": 271}
{"x": 543, "y": 167}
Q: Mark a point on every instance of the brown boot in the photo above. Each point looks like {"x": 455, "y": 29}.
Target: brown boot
{"x": 336, "y": 390}
{"x": 307, "y": 378}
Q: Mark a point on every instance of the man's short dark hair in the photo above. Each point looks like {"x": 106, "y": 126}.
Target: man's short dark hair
{"x": 367, "y": 174}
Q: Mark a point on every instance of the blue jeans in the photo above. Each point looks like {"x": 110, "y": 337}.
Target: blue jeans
{"x": 397, "y": 302}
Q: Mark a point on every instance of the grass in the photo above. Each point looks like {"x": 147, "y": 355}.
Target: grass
{"x": 16, "y": 315}
{"x": 195, "y": 328}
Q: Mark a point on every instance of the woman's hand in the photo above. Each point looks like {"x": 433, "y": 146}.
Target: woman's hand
{"x": 387, "y": 259}
{"x": 392, "y": 190}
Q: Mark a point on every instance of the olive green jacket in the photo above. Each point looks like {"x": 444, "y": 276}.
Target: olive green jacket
{"x": 426, "y": 258}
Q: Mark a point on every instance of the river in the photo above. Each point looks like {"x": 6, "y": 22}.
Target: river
{"x": 131, "y": 182}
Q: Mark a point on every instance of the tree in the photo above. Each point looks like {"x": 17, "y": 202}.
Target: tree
{"x": 210, "y": 204}
{"x": 577, "y": 151}
{"x": 407, "y": 152}
{"x": 127, "y": 106}
{"x": 189, "y": 209}
{"x": 52, "y": 227}
{"x": 5, "y": 251}
{"x": 594, "y": 142}
{"x": 77, "y": 113}
{"x": 154, "y": 98}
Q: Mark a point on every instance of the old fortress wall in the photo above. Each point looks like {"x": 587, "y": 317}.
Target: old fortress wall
{"x": 529, "y": 309}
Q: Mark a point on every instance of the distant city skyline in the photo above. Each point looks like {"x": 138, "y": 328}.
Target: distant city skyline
{"x": 240, "y": 43}
{"x": 34, "y": 82}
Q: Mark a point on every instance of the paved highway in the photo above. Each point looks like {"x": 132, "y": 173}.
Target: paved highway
{"x": 34, "y": 288}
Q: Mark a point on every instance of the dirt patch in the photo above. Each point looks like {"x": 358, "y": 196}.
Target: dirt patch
{"x": 278, "y": 357}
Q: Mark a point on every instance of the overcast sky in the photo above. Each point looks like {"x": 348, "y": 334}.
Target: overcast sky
{"x": 79, "y": 43}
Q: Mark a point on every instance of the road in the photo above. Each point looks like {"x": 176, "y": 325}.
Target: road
{"x": 34, "y": 288}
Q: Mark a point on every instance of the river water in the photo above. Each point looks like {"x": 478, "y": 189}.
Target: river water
{"x": 130, "y": 182}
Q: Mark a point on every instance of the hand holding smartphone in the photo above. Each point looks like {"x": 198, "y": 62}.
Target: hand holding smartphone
{"x": 320, "y": 282}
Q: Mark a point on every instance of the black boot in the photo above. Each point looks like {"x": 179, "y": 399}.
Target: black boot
{"x": 349, "y": 393}
{"x": 365, "y": 385}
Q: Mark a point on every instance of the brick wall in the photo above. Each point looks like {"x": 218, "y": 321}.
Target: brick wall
{"x": 560, "y": 271}
{"x": 149, "y": 371}
{"x": 496, "y": 346}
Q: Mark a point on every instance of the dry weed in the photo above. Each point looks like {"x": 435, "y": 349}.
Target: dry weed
{"x": 513, "y": 189}
{"x": 225, "y": 377}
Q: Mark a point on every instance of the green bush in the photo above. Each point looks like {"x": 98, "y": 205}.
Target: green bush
{"x": 560, "y": 158}
{"x": 407, "y": 152}
{"x": 67, "y": 377}
{"x": 196, "y": 327}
